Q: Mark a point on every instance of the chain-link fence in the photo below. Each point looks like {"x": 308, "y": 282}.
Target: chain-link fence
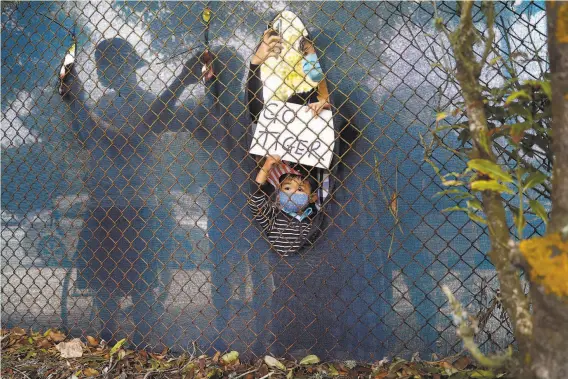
{"x": 125, "y": 209}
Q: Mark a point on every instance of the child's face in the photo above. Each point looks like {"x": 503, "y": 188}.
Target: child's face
{"x": 308, "y": 47}
{"x": 293, "y": 185}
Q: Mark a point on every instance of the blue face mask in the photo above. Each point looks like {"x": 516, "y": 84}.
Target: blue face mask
{"x": 294, "y": 203}
{"x": 312, "y": 68}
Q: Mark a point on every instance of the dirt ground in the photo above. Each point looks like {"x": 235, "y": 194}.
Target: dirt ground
{"x": 30, "y": 354}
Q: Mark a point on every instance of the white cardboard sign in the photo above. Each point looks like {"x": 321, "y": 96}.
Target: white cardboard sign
{"x": 292, "y": 132}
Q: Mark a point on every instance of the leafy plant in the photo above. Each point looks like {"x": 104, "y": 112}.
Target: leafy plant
{"x": 518, "y": 117}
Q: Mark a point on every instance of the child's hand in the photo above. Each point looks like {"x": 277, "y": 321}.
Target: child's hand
{"x": 207, "y": 59}
{"x": 318, "y": 106}
{"x": 66, "y": 78}
{"x": 271, "y": 46}
{"x": 271, "y": 161}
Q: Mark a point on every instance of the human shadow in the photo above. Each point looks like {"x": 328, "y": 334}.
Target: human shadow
{"x": 120, "y": 252}
{"x": 240, "y": 273}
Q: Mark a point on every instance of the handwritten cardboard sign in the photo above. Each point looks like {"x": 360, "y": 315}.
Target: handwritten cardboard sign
{"x": 291, "y": 131}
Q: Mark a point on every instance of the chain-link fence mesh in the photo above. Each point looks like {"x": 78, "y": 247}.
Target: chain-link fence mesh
{"x": 122, "y": 220}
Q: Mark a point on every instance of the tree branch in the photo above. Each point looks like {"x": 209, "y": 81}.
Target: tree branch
{"x": 514, "y": 299}
{"x": 489, "y": 10}
{"x": 467, "y": 328}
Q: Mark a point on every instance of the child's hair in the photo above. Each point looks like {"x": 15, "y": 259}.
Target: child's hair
{"x": 309, "y": 178}
{"x": 304, "y": 43}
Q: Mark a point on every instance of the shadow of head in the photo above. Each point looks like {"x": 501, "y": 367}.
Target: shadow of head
{"x": 117, "y": 62}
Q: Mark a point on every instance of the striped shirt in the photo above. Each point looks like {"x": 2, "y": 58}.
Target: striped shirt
{"x": 285, "y": 233}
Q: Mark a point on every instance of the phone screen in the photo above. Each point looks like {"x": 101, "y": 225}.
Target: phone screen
{"x": 278, "y": 27}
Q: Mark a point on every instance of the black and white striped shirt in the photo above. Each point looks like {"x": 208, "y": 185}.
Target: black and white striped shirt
{"x": 285, "y": 233}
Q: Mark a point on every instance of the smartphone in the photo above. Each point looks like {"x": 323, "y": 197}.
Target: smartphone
{"x": 68, "y": 61}
{"x": 277, "y": 26}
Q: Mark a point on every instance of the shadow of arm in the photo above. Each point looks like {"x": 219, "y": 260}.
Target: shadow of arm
{"x": 163, "y": 114}
{"x": 89, "y": 128}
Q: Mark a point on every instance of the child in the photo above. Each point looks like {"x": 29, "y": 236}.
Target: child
{"x": 316, "y": 99}
{"x": 288, "y": 220}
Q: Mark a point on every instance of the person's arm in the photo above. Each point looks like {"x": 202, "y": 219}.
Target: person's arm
{"x": 262, "y": 209}
{"x": 255, "y": 99}
{"x": 270, "y": 46}
{"x": 163, "y": 115}
{"x": 323, "y": 98}
{"x": 90, "y": 128}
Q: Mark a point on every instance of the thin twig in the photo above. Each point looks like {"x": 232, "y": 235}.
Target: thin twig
{"x": 21, "y": 373}
{"x": 489, "y": 11}
{"x": 440, "y": 25}
{"x": 5, "y": 336}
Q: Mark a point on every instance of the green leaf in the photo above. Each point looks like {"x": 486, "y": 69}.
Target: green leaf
{"x": 230, "y": 357}
{"x": 517, "y": 109}
{"x": 448, "y": 183}
{"x": 517, "y": 95}
{"x": 520, "y": 127}
{"x": 495, "y": 60}
{"x": 455, "y": 209}
{"x": 546, "y": 88}
{"x": 453, "y": 126}
{"x": 489, "y": 168}
{"x": 452, "y": 192}
{"x": 440, "y": 116}
{"x": 539, "y": 210}
{"x": 534, "y": 180}
{"x": 310, "y": 360}
{"x": 439, "y": 23}
{"x": 520, "y": 220}
{"x": 117, "y": 346}
{"x": 490, "y": 185}
{"x": 482, "y": 374}
{"x": 513, "y": 208}
{"x": 463, "y": 196}
{"x": 475, "y": 204}
{"x": 544, "y": 85}
{"x": 477, "y": 218}
{"x": 483, "y": 141}
{"x": 331, "y": 370}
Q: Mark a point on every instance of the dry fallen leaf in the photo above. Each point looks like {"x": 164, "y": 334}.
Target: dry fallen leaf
{"x": 71, "y": 349}
{"x": 263, "y": 370}
{"x": 56, "y": 336}
{"x": 18, "y": 332}
{"x": 393, "y": 205}
{"x": 462, "y": 363}
{"x": 90, "y": 372}
{"x": 274, "y": 363}
{"x": 202, "y": 359}
{"x": 216, "y": 357}
{"x": 445, "y": 364}
{"x": 44, "y": 343}
{"x": 92, "y": 341}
